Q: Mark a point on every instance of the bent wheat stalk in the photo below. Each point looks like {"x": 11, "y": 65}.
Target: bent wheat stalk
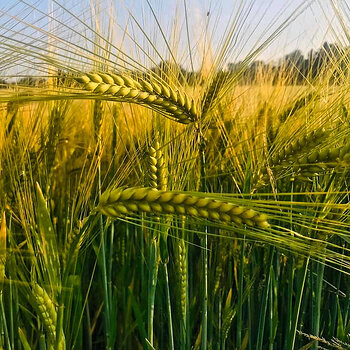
{"x": 127, "y": 201}
{"x": 173, "y": 104}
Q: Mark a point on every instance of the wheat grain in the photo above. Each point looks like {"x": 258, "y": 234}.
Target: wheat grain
{"x": 173, "y": 104}
{"x": 127, "y": 201}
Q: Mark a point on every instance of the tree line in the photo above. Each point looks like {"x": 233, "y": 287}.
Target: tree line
{"x": 294, "y": 67}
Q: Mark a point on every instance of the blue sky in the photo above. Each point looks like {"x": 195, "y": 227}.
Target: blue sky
{"x": 308, "y": 31}
{"x": 311, "y": 27}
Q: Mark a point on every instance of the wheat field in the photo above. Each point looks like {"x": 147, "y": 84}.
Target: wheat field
{"x": 154, "y": 195}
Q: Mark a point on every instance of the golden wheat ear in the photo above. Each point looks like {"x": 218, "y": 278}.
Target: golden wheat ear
{"x": 157, "y": 96}
{"x": 128, "y": 201}
{"x": 157, "y": 169}
{"x": 306, "y": 164}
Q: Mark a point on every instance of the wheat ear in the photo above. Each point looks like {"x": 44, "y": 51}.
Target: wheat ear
{"x": 157, "y": 169}
{"x": 213, "y": 91}
{"x": 162, "y": 98}
{"x": 98, "y": 112}
{"x": 297, "y": 105}
{"x": 74, "y": 240}
{"x": 48, "y": 313}
{"x": 183, "y": 275}
{"x": 318, "y": 161}
{"x": 297, "y": 156}
{"x": 127, "y": 201}
{"x": 299, "y": 147}
{"x": 2, "y": 248}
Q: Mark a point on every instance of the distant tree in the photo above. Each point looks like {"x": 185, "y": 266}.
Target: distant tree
{"x": 167, "y": 69}
{"x": 3, "y": 84}
{"x": 27, "y": 81}
{"x": 295, "y": 58}
{"x": 31, "y": 81}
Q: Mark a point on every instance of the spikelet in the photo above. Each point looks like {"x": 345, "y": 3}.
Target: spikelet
{"x": 158, "y": 180}
{"x": 48, "y": 313}
{"x": 163, "y": 99}
{"x": 127, "y": 201}
{"x": 321, "y": 160}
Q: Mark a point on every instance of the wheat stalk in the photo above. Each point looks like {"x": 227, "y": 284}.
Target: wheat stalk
{"x": 173, "y": 104}
{"x": 127, "y": 201}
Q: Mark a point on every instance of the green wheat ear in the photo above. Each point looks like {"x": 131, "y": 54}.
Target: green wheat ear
{"x": 48, "y": 313}
{"x": 3, "y": 231}
{"x": 159, "y": 97}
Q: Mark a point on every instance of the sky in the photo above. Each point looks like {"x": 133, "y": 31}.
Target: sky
{"x": 300, "y": 24}
{"x": 314, "y": 24}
